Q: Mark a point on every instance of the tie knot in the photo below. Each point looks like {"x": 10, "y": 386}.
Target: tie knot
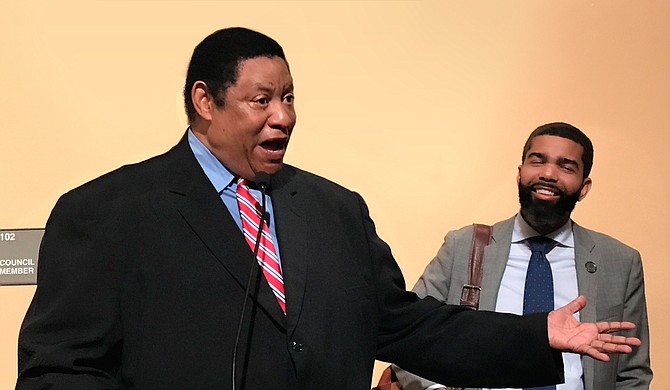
{"x": 243, "y": 193}
{"x": 242, "y": 186}
{"x": 247, "y": 185}
{"x": 541, "y": 244}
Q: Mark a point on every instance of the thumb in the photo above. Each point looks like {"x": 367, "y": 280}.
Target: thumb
{"x": 576, "y": 304}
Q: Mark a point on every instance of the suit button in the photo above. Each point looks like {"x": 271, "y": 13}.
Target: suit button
{"x": 296, "y": 346}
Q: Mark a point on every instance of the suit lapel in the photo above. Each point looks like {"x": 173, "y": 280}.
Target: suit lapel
{"x": 587, "y": 282}
{"x": 196, "y": 200}
{"x": 495, "y": 261}
{"x": 585, "y": 254}
{"x": 292, "y": 234}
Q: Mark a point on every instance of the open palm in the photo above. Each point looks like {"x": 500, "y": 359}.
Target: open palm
{"x": 587, "y": 338}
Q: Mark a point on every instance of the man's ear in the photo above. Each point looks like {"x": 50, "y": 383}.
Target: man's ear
{"x": 586, "y": 187}
{"x": 518, "y": 175}
{"x": 202, "y": 100}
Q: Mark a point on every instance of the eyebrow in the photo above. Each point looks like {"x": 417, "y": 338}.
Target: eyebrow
{"x": 559, "y": 161}
{"x": 536, "y": 154}
{"x": 265, "y": 88}
{"x": 288, "y": 87}
{"x": 567, "y": 161}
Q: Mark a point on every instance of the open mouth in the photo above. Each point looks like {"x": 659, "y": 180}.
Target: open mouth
{"x": 546, "y": 191}
{"x": 275, "y": 145}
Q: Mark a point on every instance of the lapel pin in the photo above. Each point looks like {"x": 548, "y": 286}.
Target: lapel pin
{"x": 591, "y": 267}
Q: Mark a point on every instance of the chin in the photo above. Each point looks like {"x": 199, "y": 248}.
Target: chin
{"x": 270, "y": 169}
{"x": 545, "y": 202}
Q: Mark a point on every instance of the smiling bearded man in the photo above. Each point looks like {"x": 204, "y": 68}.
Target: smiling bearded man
{"x": 553, "y": 176}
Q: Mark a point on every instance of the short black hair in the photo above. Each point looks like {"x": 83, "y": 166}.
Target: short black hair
{"x": 564, "y": 130}
{"x": 215, "y": 61}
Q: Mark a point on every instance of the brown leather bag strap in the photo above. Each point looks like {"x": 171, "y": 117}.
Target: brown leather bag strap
{"x": 481, "y": 237}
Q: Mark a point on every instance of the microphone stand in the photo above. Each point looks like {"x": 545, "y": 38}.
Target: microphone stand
{"x": 262, "y": 179}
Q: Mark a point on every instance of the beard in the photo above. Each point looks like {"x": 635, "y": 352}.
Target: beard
{"x": 543, "y": 215}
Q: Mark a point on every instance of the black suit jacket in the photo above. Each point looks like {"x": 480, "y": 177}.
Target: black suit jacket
{"x": 141, "y": 282}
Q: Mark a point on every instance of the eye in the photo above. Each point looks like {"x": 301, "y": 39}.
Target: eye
{"x": 289, "y": 98}
{"x": 262, "y": 100}
{"x": 568, "y": 168}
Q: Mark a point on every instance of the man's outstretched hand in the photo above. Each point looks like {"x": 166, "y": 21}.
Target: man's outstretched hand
{"x": 587, "y": 338}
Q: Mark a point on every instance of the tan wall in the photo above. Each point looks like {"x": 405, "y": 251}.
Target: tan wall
{"x": 434, "y": 94}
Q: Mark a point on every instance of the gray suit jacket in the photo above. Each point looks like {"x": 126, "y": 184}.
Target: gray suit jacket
{"x": 615, "y": 292}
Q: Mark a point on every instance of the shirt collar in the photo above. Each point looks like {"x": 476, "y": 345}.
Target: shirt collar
{"x": 217, "y": 173}
{"x": 563, "y": 235}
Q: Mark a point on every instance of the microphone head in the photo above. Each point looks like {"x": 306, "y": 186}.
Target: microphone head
{"x": 262, "y": 180}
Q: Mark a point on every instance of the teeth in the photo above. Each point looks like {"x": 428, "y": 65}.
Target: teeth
{"x": 545, "y": 192}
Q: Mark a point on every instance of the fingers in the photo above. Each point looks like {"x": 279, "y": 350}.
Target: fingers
{"x": 619, "y": 340}
{"x": 607, "y": 344}
{"x": 614, "y": 326}
{"x": 606, "y": 347}
{"x": 594, "y": 353}
{"x": 600, "y": 351}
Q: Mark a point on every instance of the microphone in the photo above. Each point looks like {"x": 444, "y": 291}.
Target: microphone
{"x": 262, "y": 180}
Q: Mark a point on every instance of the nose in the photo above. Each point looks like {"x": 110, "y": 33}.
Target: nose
{"x": 282, "y": 117}
{"x": 548, "y": 172}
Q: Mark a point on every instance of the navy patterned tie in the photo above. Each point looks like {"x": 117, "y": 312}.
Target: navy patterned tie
{"x": 538, "y": 294}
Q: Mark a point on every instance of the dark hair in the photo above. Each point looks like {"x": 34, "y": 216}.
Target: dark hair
{"x": 215, "y": 61}
{"x": 567, "y": 131}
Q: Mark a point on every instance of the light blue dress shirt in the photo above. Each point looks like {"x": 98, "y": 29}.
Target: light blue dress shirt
{"x": 225, "y": 184}
{"x": 562, "y": 260}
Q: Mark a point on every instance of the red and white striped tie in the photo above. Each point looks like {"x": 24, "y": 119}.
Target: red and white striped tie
{"x": 250, "y": 212}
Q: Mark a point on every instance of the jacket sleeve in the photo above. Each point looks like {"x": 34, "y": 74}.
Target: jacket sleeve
{"x": 70, "y": 337}
{"x": 436, "y": 282}
{"x": 634, "y": 369}
{"x": 433, "y": 339}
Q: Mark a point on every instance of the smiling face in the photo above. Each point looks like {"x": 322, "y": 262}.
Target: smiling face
{"x": 250, "y": 132}
{"x": 551, "y": 181}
